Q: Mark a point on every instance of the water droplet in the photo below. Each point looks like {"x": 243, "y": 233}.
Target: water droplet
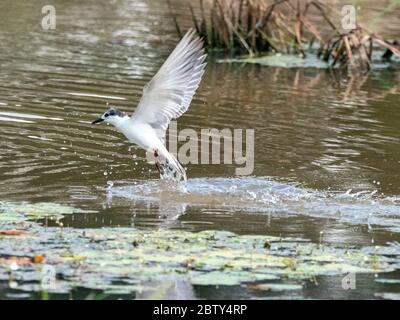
{"x": 105, "y": 173}
{"x": 14, "y": 266}
{"x": 110, "y": 184}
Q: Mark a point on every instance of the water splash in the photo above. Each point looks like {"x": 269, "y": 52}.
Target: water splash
{"x": 267, "y": 196}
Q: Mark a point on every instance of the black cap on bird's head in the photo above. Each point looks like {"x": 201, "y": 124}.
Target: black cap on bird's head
{"x": 111, "y": 113}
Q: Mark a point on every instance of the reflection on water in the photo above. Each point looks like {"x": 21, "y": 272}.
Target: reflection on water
{"x": 327, "y": 149}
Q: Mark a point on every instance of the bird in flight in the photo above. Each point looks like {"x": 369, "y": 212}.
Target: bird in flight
{"x": 167, "y": 96}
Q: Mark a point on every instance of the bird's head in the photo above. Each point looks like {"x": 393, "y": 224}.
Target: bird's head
{"x": 112, "y": 115}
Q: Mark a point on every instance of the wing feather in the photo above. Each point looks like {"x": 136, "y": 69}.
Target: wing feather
{"x": 169, "y": 93}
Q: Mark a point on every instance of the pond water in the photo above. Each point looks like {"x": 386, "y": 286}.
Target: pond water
{"x": 327, "y": 148}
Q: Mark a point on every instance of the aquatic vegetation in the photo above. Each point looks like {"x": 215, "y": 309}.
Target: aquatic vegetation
{"x": 126, "y": 260}
{"x": 275, "y": 287}
{"x": 282, "y": 61}
{"x": 12, "y": 232}
{"x": 19, "y": 211}
{"x": 286, "y": 26}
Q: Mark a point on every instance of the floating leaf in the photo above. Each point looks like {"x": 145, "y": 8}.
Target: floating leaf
{"x": 19, "y": 212}
{"x": 12, "y": 232}
{"x": 38, "y": 259}
{"x": 275, "y": 286}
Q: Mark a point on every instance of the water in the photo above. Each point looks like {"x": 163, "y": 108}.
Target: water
{"x": 327, "y": 149}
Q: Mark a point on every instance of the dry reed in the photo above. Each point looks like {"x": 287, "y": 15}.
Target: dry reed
{"x": 260, "y": 26}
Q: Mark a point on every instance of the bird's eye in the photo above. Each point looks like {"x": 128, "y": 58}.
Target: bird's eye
{"x": 106, "y": 115}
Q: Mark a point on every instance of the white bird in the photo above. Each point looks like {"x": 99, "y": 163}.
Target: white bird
{"x": 167, "y": 96}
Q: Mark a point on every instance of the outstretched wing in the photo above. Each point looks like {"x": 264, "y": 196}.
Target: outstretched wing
{"x": 169, "y": 93}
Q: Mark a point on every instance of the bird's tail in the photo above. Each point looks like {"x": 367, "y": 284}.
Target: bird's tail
{"x": 171, "y": 168}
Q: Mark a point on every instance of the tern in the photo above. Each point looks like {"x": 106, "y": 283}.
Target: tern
{"x": 165, "y": 97}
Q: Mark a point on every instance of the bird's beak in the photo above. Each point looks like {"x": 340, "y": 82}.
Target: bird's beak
{"x": 98, "y": 120}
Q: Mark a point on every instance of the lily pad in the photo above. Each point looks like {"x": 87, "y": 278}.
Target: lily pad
{"x": 388, "y": 281}
{"x": 389, "y": 296}
{"x": 107, "y": 259}
{"x": 276, "y": 286}
{"x": 18, "y": 212}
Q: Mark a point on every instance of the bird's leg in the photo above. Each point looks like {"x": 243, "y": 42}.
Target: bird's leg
{"x": 157, "y": 161}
